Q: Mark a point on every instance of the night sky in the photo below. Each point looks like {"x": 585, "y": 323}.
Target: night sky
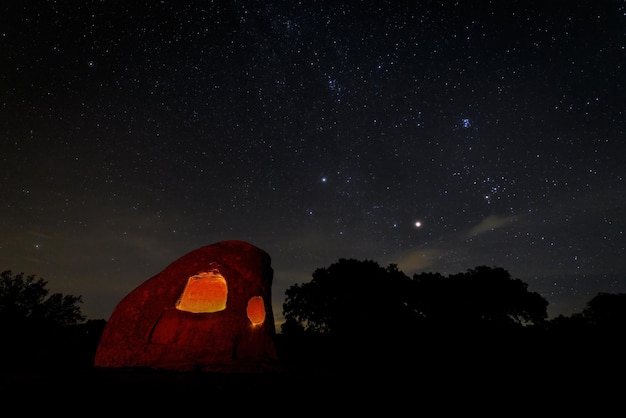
{"x": 435, "y": 135}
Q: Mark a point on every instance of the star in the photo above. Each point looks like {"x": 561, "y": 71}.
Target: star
{"x": 246, "y": 120}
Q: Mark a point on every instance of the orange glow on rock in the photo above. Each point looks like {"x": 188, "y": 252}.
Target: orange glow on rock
{"x": 204, "y": 293}
{"x": 208, "y": 310}
{"x": 256, "y": 310}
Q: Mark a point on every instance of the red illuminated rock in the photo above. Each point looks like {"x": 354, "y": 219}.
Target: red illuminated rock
{"x": 209, "y": 310}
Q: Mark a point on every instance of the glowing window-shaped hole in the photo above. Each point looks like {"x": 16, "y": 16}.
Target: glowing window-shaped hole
{"x": 205, "y": 292}
{"x": 256, "y": 310}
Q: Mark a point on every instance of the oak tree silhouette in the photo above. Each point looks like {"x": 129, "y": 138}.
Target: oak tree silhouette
{"x": 482, "y": 296}
{"x": 364, "y": 309}
{"x": 356, "y": 296}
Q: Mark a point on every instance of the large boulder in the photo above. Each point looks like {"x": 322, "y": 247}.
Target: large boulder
{"x": 209, "y": 310}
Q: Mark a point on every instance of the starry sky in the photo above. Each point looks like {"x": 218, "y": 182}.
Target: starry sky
{"x": 435, "y": 135}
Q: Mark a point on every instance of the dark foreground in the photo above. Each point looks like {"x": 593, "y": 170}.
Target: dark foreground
{"x": 493, "y": 378}
{"x": 492, "y": 388}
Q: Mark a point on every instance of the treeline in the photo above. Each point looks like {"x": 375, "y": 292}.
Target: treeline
{"x": 354, "y": 312}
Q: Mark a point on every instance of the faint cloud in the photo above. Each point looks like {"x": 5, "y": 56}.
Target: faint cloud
{"x": 417, "y": 260}
{"x": 38, "y": 234}
{"x": 489, "y": 224}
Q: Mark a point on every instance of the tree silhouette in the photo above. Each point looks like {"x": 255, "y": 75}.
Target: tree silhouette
{"x": 481, "y": 296}
{"x": 348, "y": 297}
{"x": 592, "y": 339}
{"x": 607, "y": 311}
{"x": 604, "y": 314}
{"x": 34, "y": 323}
{"x": 354, "y": 296}
{"x": 26, "y": 299}
{"x": 376, "y": 312}
{"x": 350, "y": 312}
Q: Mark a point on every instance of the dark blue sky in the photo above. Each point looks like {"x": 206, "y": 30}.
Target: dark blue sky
{"x": 132, "y": 134}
